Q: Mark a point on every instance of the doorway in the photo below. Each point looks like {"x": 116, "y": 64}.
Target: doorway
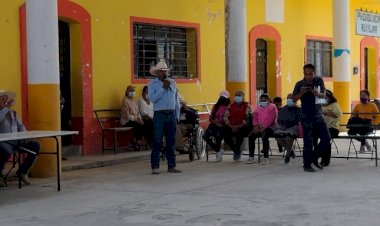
{"x": 65, "y": 79}
{"x": 261, "y": 68}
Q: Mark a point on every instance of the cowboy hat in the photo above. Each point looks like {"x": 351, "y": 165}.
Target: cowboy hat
{"x": 161, "y": 66}
{"x": 11, "y": 95}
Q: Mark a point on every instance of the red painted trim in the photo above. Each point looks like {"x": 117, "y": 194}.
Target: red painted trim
{"x": 75, "y": 14}
{"x": 268, "y": 33}
{"x": 318, "y": 38}
{"x": 195, "y": 26}
{"x": 365, "y": 43}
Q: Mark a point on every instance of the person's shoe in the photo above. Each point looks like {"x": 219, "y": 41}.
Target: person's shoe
{"x": 155, "y": 171}
{"x": 219, "y": 155}
{"x": 309, "y": 169}
{"x": 316, "y": 164}
{"x": 250, "y": 160}
{"x": 23, "y": 177}
{"x": 362, "y": 149}
{"x": 174, "y": 170}
{"x": 292, "y": 154}
{"x": 265, "y": 161}
{"x": 237, "y": 158}
{"x": 368, "y": 146}
{"x": 287, "y": 159}
{"x": 324, "y": 164}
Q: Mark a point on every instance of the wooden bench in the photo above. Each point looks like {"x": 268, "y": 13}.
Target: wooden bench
{"x": 109, "y": 122}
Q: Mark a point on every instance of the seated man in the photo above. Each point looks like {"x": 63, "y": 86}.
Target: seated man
{"x": 265, "y": 116}
{"x": 10, "y": 123}
{"x": 187, "y": 119}
{"x": 130, "y": 115}
{"x": 286, "y": 128}
{"x": 237, "y": 120}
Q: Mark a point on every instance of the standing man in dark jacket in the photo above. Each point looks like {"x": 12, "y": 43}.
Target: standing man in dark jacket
{"x": 311, "y": 90}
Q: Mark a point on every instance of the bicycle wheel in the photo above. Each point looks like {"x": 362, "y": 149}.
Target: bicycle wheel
{"x": 200, "y": 146}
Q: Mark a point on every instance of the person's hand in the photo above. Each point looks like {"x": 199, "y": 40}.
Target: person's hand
{"x": 166, "y": 84}
{"x": 140, "y": 121}
{"x": 329, "y": 113}
{"x": 9, "y": 103}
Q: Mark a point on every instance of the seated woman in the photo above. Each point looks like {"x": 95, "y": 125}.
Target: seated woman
{"x": 331, "y": 114}
{"x": 216, "y": 126}
{"x": 287, "y": 127}
{"x": 146, "y": 112}
{"x": 237, "y": 120}
{"x": 365, "y": 106}
{"x": 130, "y": 115}
{"x": 264, "y": 117}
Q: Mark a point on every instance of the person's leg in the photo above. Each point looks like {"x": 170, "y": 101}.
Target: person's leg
{"x": 324, "y": 140}
{"x": 288, "y": 140}
{"x": 179, "y": 145}
{"x": 252, "y": 144}
{"x": 170, "y": 130}
{"x": 33, "y": 146}
{"x": 211, "y": 131}
{"x": 326, "y": 156}
{"x": 6, "y": 151}
{"x": 307, "y": 144}
{"x": 148, "y": 130}
{"x": 268, "y": 132}
{"x": 239, "y": 136}
{"x": 158, "y": 128}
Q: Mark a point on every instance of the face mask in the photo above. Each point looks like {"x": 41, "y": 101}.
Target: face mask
{"x": 290, "y": 102}
{"x": 131, "y": 94}
{"x": 238, "y": 99}
{"x": 363, "y": 100}
{"x": 263, "y": 104}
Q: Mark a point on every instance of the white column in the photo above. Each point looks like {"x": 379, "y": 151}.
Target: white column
{"x": 341, "y": 40}
{"x": 42, "y": 41}
{"x": 236, "y": 41}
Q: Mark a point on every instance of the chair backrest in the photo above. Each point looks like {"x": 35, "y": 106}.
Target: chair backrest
{"x": 108, "y": 118}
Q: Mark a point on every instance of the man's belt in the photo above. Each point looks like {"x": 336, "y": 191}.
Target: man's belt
{"x": 165, "y": 111}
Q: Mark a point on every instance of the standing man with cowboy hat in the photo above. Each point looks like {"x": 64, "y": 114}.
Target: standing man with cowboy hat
{"x": 162, "y": 91}
{"x": 10, "y": 123}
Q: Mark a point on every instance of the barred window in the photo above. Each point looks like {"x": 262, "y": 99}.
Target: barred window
{"x": 177, "y": 45}
{"x": 319, "y": 53}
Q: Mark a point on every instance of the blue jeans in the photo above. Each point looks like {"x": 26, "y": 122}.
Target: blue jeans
{"x": 7, "y": 149}
{"x": 163, "y": 123}
{"x": 320, "y": 128}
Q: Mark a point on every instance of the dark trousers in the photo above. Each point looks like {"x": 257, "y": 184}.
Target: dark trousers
{"x": 148, "y": 130}
{"x": 326, "y": 155}
{"x": 268, "y": 132}
{"x": 6, "y": 150}
{"x": 163, "y": 123}
{"x": 214, "y": 131}
{"x": 235, "y": 139}
{"x": 318, "y": 126}
{"x": 138, "y": 129}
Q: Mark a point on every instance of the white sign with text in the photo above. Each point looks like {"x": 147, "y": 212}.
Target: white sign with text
{"x": 367, "y": 24}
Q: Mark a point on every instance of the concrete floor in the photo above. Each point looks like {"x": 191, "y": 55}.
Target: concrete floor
{"x": 205, "y": 194}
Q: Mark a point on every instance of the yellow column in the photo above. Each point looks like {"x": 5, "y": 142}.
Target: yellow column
{"x": 43, "y": 77}
{"x": 342, "y": 94}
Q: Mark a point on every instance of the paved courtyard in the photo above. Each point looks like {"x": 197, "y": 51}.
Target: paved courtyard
{"x": 205, "y": 194}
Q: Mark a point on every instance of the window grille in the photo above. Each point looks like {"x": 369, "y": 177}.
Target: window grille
{"x": 319, "y": 53}
{"x": 177, "y": 45}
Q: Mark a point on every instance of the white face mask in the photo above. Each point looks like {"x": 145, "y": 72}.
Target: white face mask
{"x": 290, "y": 102}
{"x": 238, "y": 99}
{"x": 131, "y": 94}
{"x": 263, "y": 104}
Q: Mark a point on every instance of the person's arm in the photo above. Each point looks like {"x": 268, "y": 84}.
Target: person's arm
{"x": 3, "y": 113}
{"x": 177, "y": 104}
{"x": 298, "y": 92}
{"x": 376, "y": 117}
{"x": 20, "y": 125}
{"x": 226, "y": 117}
{"x": 155, "y": 90}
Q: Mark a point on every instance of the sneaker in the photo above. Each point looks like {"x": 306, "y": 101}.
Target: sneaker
{"x": 237, "y": 158}
{"x": 155, "y": 171}
{"x": 362, "y": 149}
{"x": 250, "y": 160}
{"x": 265, "y": 161}
{"x": 174, "y": 170}
{"x": 309, "y": 169}
{"x": 287, "y": 159}
{"x": 219, "y": 155}
{"x": 24, "y": 178}
{"x": 368, "y": 146}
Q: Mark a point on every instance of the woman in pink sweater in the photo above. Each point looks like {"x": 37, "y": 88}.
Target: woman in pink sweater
{"x": 264, "y": 117}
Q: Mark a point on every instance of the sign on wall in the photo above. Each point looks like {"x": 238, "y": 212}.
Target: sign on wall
{"x": 367, "y": 24}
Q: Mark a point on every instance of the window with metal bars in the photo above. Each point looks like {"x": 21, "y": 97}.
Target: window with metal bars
{"x": 177, "y": 45}
{"x": 319, "y": 53}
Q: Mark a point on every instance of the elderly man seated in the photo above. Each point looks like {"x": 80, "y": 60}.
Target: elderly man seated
{"x": 286, "y": 129}
{"x": 10, "y": 123}
{"x": 130, "y": 115}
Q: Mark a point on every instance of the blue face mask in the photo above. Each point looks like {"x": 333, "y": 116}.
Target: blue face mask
{"x": 238, "y": 99}
{"x": 131, "y": 94}
{"x": 263, "y": 104}
{"x": 290, "y": 102}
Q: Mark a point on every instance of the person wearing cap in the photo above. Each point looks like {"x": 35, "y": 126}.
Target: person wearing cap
{"x": 217, "y": 124}
{"x": 10, "y": 123}
{"x": 238, "y": 121}
{"x": 264, "y": 117}
{"x": 130, "y": 115}
{"x": 164, "y": 95}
